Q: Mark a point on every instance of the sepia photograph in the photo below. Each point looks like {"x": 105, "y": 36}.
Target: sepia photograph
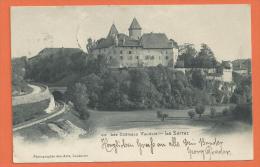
{"x": 113, "y": 83}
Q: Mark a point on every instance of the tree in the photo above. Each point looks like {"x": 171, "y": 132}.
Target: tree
{"x": 243, "y": 91}
{"x": 191, "y": 114}
{"x": 89, "y": 45}
{"x": 198, "y": 79}
{"x": 58, "y": 95}
{"x": 19, "y": 72}
{"x": 225, "y": 111}
{"x": 243, "y": 112}
{"x": 186, "y": 57}
{"x": 77, "y": 93}
{"x": 95, "y": 85}
{"x": 205, "y": 58}
{"x": 200, "y": 109}
{"x": 212, "y": 112}
{"x": 142, "y": 91}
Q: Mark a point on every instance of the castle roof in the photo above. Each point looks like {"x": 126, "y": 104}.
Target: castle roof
{"x": 155, "y": 40}
{"x": 135, "y": 25}
{"x": 112, "y": 31}
{"x": 147, "y": 41}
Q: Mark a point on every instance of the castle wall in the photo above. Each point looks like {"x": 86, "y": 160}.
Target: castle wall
{"x": 137, "y": 56}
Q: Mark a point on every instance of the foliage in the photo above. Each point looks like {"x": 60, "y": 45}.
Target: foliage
{"x": 19, "y": 66}
{"x": 58, "y": 96}
{"x": 243, "y": 112}
{"x": 161, "y": 115}
{"x": 191, "y": 114}
{"x": 187, "y": 56}
{"x": 205, "y": 57}
{"x": 57, "y": 65}
{"x": 212, "y": 112}
{"x": 243, "y": 91}
{"x": 128, "y": 88}
{"x": 77, "y": 94}
{"x": 198, "y": 79}
{"x": 242, "y": 64}
{"x": 144, "y": 88}
{"x": 94, "y": 85}
{"x": 200, "y": 109}
{"x": 89, "y": 45}
{"x": 225, "y": 112}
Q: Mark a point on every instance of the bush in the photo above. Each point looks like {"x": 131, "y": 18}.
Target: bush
{"x": 191, "y": 114}
{"x": 212, "y": 112}
{"x": 225, "y": 111}
{"x": 77, "y": 94}
{"x": 161, "y": 115}
{"x": 243, "y": 112}
{"x": 200, "y": 109}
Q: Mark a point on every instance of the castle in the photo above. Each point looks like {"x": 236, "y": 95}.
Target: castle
{"x": 136, "y": 49}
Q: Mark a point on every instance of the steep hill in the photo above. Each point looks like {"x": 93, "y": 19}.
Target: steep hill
{"x": 57, "y": 65}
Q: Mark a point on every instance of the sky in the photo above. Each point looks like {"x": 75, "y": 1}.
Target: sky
{"x": 225, "y": 28}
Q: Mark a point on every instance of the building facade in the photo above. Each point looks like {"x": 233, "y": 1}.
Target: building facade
{"x": 136, "y": 49}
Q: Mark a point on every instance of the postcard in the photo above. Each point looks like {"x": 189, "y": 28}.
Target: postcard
{"x": 106, "y": 83}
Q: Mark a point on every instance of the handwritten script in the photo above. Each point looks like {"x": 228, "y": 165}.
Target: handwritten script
{"x": 149, "y": 143}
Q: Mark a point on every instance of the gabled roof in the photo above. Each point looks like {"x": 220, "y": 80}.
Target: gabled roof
{"x": 155, "y": 41}
{"x": 135, "y": 25}
{"x": 147, "y": 41}
{"x": 112, "y": 31}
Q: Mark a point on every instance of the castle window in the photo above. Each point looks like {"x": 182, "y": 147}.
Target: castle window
{"x": 146, "y": 57}
{"x": 129, "y": 52}
{"x": 152, "y": 57}
{"x": 137, "y": 57}
{"x": 121, "y": 57}
{"x": 110, "y": 57}
{"x": 121, "y": 52}
{"x": 166, "y": 57}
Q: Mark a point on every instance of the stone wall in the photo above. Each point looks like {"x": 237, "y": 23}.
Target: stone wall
{"x": 51, "y": 107}
{"x": 32, "y": 98}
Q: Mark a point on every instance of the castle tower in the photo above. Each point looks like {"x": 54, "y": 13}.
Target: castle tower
{"x": 135, "y": 30}
{"x": 113, "y": 31}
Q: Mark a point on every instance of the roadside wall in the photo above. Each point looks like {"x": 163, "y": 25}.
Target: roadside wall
{"x": 32, "y": 98}
{"x": 51, "y": 106}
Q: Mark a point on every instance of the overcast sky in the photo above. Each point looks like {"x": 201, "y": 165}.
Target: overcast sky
{"x": 225, "y": 28}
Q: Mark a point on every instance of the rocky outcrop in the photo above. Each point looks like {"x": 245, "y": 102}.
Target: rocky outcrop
{"x": 66, "y": 129}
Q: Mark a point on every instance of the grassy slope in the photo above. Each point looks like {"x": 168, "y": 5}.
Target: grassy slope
{"x": 25, "y": 112}
{"x": 140, "y": 119}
